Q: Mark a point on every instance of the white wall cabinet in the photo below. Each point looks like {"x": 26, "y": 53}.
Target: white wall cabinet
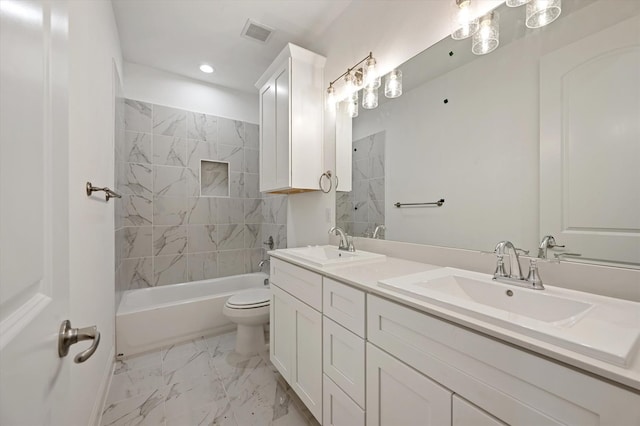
{"x": 291, "y": 126}
{"x": 296, "y": 337}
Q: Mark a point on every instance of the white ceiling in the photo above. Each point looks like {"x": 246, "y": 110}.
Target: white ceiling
{"x": 179, "y": 35}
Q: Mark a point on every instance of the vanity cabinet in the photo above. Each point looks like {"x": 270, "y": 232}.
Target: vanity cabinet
{"x": 291, "y": 129}
{"x": 510, "y": 384}
{"x": 296, "y": 332}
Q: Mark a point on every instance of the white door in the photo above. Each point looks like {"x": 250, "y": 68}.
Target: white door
{"x": 34, "y": 290}
{"x": 397, "y": 395}
{"x": 590, "y": 144}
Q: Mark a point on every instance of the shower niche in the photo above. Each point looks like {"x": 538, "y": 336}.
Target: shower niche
{"x": 214, "y": 178}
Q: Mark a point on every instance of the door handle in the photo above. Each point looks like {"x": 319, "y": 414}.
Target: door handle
{"x": 69, "y": 336}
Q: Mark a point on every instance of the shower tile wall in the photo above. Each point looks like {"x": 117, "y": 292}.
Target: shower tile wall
{"x": 170, "y": 233}
{"x": 358, "y": 212}
{"x": 119, "y": 137}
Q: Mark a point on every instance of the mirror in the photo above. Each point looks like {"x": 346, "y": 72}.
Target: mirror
{"x": 540, "y": 137}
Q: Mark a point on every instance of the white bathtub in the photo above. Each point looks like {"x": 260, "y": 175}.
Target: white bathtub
{"x": 154, "y": 317}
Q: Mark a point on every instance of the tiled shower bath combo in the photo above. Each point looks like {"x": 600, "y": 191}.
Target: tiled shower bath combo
{"x": 171, "y": 229}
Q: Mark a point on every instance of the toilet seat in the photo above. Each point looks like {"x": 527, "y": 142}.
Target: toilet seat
{"x": 250, "y": 299}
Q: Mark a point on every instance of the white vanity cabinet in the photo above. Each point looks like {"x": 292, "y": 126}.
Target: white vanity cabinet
{"x": 296, "y": 331}
{"x": 343, "y": 347}
{"x": 291, "y": 129}
{"x": 512, "y": 385}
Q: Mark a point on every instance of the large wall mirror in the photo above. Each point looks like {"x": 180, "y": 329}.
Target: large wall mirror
{"x": 540, "y": 137}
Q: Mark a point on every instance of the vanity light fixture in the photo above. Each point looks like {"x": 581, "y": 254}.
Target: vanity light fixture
{"x": 463, "y": 24}
{"x": 207, "y": 69}
{"x": 363, "y": 75}
{"x": 542, "y": 12}
{"x": 487, "y": 38}
{"x": 393, "y": 84}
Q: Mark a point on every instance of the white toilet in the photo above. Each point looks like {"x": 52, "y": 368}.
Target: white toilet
{"x": 250, "y": 310}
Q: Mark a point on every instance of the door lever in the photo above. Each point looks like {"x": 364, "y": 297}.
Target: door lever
{"x": 69, "y": 336}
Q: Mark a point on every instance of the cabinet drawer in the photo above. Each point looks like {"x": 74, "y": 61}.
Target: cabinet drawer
{"x": 513, "y": 385}
{"x": 343, "y": 359}
{"x": 345, "y": 305}
{"x": 338, "y": 409}
{"x": 300, "y": 283}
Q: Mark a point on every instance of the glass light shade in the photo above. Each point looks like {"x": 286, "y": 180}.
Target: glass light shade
{"x": 352, "y": 109}
{"x": 331, "y": 97}
{"x": 487, "y": 38}
{"x": 370, "y": 76}
{"x": 542, "y": 12}
{"x": 369, "y": 98}
{"x": 463, "y": 25}
{"x": 393, "y": 84}
{"x": 516, "y": 3}
{"x": 350, "y": 87}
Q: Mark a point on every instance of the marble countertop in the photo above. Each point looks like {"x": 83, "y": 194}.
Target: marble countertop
{"x": 366, "y": 276}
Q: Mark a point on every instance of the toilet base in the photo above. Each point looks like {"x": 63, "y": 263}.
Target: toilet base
{"x": 250, "y": 339}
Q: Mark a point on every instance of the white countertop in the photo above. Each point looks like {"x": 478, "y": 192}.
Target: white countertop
{"x": 366, "y": 277}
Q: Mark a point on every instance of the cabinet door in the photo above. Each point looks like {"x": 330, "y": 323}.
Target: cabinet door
{"x": 398, "y": 395}
{"x": 306, "y": 375}
{"x": 338, "y": 408}
{"x": 282, "y": 163}
{"x": 281, "y": 316}
{"x": 467, "y": 414}
{"x": 268, "y": 136}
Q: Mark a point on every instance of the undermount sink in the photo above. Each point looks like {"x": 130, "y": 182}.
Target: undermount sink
{"x": 329, "y": 255}
{"x": 597, "y": 326}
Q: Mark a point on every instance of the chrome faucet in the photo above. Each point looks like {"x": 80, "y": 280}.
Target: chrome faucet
{"x": 548, "y": 242}
{"x": 346, "y": 242}
{"x": 515, "y": 276}
{"x": 376, "y": 232}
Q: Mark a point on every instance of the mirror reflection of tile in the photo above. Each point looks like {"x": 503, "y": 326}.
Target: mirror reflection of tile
{"x": 214, "y": 178}
{"x": 358, "y": 212}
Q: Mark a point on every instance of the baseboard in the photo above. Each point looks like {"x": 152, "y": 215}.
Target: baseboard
{"x": 103, "y": 390}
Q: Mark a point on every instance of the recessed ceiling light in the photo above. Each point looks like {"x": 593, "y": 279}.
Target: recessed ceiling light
{"x": 208, "y": 69}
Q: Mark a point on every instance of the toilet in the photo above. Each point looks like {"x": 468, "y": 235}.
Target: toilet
{"x": 250, "y": 310}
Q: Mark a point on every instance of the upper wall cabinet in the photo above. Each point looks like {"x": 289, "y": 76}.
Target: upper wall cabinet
{"x": 291, "y": 108}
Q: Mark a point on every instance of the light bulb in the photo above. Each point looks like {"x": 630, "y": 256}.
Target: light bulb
{"x": 463, "y": 25}
{"x": 393, "y": 84}
{"x": 350, "y": 87}
{"x": 487, "y": 38}
{"x": 370, "y": 77}
{"x": 369, "y": 98}
{"x": 331, "y": 96}
{"x": 542, "y": 12}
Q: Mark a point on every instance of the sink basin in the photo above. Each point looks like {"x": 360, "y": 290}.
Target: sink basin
{"x": 597, "y": 326}
{"x": 329, "y": 255}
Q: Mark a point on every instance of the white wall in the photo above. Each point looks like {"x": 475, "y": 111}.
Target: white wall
{"x": 93, "y": 47}
{"x": 394, "y": 31}
{"x": 155, "y": 86}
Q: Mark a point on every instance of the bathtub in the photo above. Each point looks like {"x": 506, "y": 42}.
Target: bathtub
{"x": 150, "y": 318}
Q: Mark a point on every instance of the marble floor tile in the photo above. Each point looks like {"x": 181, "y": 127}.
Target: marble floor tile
{"x": 146, "y": 409}
{"x": 202, "y": 382}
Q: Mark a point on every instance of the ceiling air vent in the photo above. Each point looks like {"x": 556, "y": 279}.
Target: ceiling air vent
{"x": 257, "y": 32}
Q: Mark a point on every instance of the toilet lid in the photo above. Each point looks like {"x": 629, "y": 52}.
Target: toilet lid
{"x": 250, "y": 298}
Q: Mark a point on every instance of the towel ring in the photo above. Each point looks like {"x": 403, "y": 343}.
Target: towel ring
{"x": 328, "y": 175}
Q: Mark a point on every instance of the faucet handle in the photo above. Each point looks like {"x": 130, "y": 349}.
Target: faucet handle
{"x": 534, "y": 275}
{"x": 522, "y": 251}
{"x": 500, "y": 272}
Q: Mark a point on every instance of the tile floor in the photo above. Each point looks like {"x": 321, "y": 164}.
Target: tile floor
{"x": 202, "y": 382}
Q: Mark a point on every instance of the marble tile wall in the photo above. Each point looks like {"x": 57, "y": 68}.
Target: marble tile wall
{"x": 358, "y": 212}
{"x": 119, "y": 138}
{"x": 170, "y": 233}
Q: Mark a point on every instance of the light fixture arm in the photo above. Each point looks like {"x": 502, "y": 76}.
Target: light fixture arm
{"x": 369, "y": 56}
